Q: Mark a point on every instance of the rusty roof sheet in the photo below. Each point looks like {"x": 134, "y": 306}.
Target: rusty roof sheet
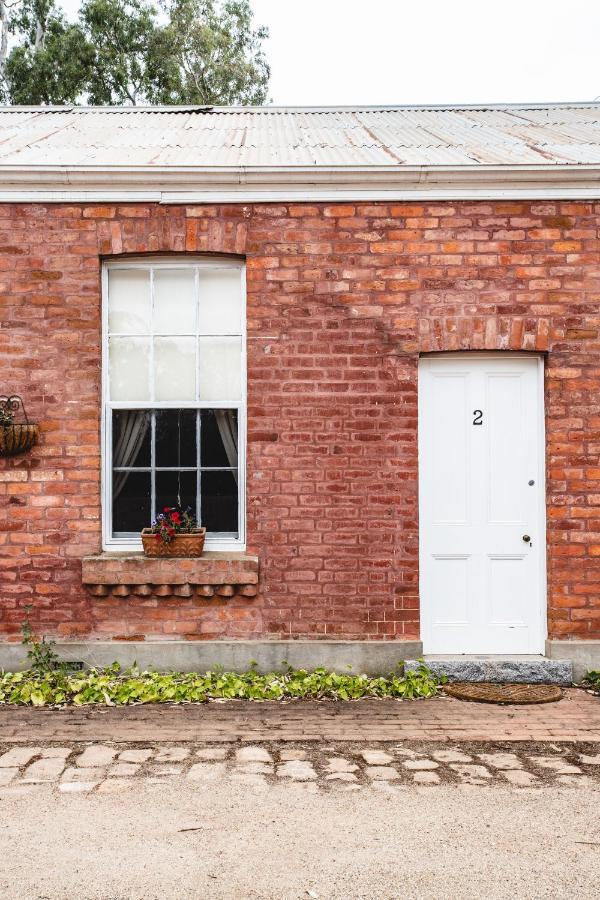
{"x": 235, "y": 137}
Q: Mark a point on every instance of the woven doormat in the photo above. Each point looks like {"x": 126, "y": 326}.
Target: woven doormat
{"x": 482, "y": 692}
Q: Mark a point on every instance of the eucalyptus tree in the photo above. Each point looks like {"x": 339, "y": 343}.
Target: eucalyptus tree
{"x": 130, "y": 52}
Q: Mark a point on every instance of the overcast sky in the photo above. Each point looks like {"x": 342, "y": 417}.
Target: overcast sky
{"x": 325, "y": 52}
{"x": 328, "y": 52}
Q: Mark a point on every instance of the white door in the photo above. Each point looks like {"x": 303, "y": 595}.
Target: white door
{"x": 481, "y": 503}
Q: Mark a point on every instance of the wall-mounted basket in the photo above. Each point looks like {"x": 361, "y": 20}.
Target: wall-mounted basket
{"x": 15, "y": 436}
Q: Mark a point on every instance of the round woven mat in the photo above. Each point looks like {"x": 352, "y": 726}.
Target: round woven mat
{"x": 483, "y": 692}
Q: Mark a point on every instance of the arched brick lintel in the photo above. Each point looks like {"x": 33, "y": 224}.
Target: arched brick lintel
{"x": 483, "y": 333}
{"x": 202, "y": 232}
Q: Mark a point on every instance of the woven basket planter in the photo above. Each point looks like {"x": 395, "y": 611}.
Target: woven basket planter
{"x": 182, "y": 545}
{"x": 17, "y": 438}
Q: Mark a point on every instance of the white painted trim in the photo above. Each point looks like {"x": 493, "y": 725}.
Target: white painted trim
{"x": 306, "y": 195}
{"x": 110, "y": 543}
{"x": 179, "y": 184}
{"x": 541, "y": 475}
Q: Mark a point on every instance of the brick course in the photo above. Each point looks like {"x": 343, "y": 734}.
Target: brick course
{"x": 341, "y": 300}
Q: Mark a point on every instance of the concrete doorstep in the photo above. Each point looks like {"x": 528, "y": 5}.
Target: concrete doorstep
{"x": 512, "y": 669}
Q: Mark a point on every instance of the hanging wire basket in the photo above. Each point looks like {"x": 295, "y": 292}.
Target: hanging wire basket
{"x": 15, "y": 436}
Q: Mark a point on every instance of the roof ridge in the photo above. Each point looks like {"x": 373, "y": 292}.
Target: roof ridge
{"x": 273, "y": 110}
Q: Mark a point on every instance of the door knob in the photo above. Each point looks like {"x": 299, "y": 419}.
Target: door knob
{"x": 526, "y": 538}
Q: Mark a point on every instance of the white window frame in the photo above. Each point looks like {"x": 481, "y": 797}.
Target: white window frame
{"x": 216, "y": 542}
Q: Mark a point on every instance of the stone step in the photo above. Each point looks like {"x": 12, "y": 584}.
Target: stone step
{"x": 513, "y": 669}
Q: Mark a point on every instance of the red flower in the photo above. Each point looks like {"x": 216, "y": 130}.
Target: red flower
{"x": 176, "y": 518}
{"x": 167, "y": 509}
{"x": 171, "y": 531}
{"x": 157, "y": 535}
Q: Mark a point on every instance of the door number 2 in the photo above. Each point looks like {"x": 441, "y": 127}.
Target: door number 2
{"x": 477, "y": 417}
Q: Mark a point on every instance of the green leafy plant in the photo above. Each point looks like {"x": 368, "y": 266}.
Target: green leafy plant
{"x": 592, "y": 681}
{"x": 41, "y": 654}
{"x": 115, "y": 687}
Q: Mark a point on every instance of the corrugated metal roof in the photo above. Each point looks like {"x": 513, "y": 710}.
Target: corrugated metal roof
{"x": 511, "y": 135}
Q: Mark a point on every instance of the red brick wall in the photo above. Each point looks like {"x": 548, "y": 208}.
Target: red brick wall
{"x": 341, "y": 299}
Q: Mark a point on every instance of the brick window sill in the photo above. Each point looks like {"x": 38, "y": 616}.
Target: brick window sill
{"x": 214, "y": 574}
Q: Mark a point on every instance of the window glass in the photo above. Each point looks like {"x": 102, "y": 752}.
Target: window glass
{"x": 129, "y": 301}
{"x": 131, "y": 501}
{"x": 176, "y": 438}
{"x": 220, "y": 368}
{"x": 129, "y": 361}
{"x": 174, "y": 368}
{"x": 219, "y": 493}
{"x": 220, "y": 301}
{"x": 176, "y": 489}
{"x": 131, "y": 438}
{"x": 219, "y": 438}
{"x": 175, "y": 301}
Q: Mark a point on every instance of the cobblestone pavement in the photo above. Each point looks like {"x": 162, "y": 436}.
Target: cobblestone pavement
{"x": 574, "y": 718}
{"x": 110, "y": 768}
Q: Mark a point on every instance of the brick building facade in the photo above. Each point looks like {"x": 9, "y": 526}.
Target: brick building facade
{"x": 342, "y": 300}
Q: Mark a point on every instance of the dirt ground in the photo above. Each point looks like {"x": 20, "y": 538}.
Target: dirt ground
{"x": 236, "y": 840}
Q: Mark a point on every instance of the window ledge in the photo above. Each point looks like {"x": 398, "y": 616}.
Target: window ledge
{"x": 214, "y": 574}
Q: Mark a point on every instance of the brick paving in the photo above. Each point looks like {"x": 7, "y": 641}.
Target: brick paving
{"x": 574, "y": 718}
{"x": 381, "y": 745}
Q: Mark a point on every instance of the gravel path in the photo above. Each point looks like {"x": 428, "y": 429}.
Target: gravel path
{"x": 260, "y": 840}
{"x": 280, "y": 820}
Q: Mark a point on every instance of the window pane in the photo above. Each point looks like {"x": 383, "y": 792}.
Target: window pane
{"x": 131, "y": 501}
{"x": 175, "y": 368}
{"x": 171, "y": 487}
{"x": 131, "y": 434}
{"x": 129, "y": 301}
{"x": 219, "y": 437}
{"x": 219, "y": 501}
{"x": 175, "y": 437}
{"x": 220, "y": 366}
{"x": 129, "y": 360}
{"x": 220, "y": 301}
{"x": 174, "y": 301}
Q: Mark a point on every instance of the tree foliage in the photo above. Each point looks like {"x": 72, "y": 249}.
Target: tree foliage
{"x": 129, "y": 52}
{"x": 51, "y": 60}
{"x": 123, "y": 36}
{"x": 214, "y": 54}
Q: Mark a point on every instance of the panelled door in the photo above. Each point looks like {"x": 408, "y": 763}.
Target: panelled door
{"x": 481, "y": 503}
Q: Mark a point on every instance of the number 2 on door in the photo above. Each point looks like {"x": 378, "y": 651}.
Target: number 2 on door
{"x": 478, "y": 417}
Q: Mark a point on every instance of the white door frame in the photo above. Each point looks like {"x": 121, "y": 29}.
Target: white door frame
{"x": 542, "y": 615}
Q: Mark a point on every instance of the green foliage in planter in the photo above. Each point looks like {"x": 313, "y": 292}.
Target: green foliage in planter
{"x": 114, "y": 687}
{"x": 592, "y": 681}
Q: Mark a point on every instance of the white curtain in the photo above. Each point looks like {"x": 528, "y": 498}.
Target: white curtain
{"x": 226, "y": 422}
{"x": 134, "y": 426}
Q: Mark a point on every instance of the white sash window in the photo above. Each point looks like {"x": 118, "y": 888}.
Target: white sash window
{"x": 174, "y": 388}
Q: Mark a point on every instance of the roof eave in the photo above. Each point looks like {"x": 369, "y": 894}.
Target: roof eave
{"x": 238, "y": 184}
